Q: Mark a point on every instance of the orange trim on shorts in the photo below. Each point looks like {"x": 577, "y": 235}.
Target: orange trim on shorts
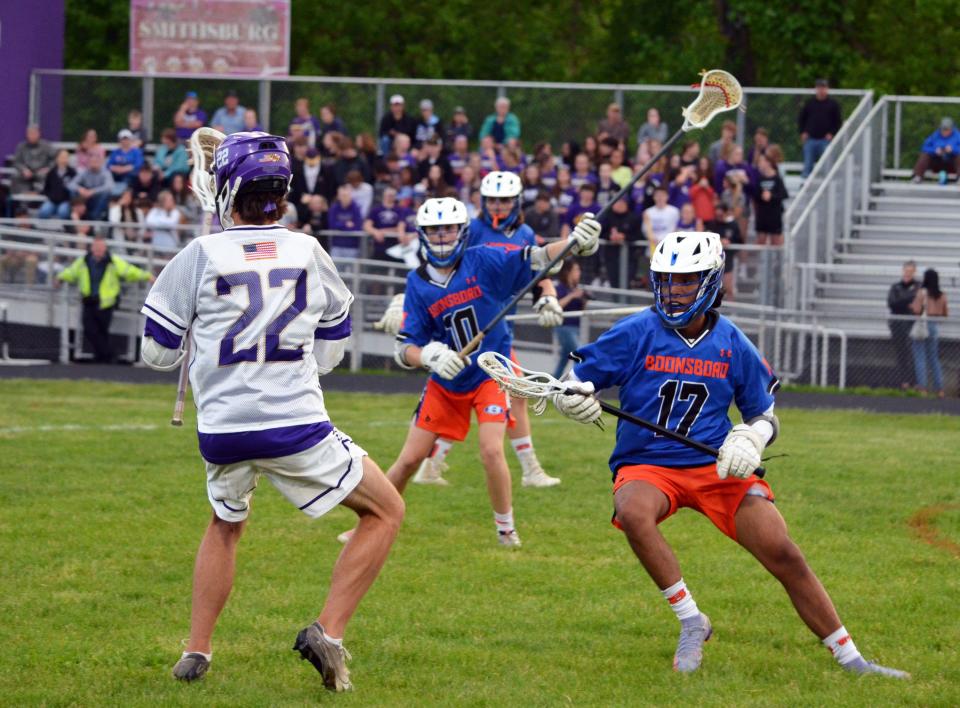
{"x": 447, "y": 413}
{"x": 696, "y": 488}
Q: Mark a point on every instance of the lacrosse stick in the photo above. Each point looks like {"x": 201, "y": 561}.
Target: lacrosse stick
{"x": 524, "y": 383}
{"x": 719, "y": 92}
{"x": 203, "y": 144}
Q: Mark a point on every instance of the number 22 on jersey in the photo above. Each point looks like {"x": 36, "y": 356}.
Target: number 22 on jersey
{"x": 252, "y": 281}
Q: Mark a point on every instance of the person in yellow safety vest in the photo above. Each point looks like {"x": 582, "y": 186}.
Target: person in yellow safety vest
{"x": 97, "y": 276}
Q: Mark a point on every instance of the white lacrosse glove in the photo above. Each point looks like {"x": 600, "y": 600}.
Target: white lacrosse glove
{"x": 442, "y": 360}
{"x": 580, "y": 406}
{"x": 392, "y": 317}
{"x": 586, "y": 236}
{"x": 549, "y": 311}
{"x": 740, "y": 453}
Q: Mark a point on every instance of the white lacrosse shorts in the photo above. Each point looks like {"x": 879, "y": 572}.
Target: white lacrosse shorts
{"x": 314, "y": 480}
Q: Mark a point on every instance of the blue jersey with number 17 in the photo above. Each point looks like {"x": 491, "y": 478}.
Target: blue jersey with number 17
{"x": 453, "y": 312}
{"x": 684, "y": 385}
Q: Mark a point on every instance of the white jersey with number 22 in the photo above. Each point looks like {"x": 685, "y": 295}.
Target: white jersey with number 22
{"x": 254, "y": 299}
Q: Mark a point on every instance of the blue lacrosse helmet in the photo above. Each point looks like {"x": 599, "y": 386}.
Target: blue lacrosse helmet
{"x": 505, "y": 185}
{"x": 249, "y": 162}
{"x": 442, "y": 212}
{"x": 684, "y": 252}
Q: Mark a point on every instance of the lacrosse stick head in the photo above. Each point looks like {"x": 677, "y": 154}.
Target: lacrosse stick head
{"x": 203, "y": 144}
{"x": 518, "y": 381}
{"x": 249, "y": 162}
{"x": 719, "y": 91}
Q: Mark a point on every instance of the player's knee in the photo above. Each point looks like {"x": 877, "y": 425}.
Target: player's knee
{"x": 636, "y": 520}
{"x": 228, "y": 530}
{"x": 786, "y": 557}
{"x": 491, "y": 453}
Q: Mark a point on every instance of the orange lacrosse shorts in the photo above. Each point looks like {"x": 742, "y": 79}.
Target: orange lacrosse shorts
{"x": 448, "y": 414}
{"x": 697, "y": 488}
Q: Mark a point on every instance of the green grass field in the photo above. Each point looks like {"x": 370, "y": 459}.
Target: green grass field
{"x": 103, "y": 505}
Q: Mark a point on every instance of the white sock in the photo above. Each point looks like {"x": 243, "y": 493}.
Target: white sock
{"x": 337, "y": 642}
{"x": 841, "y": 645}
{"x": 208, "y": 657}
{"x": 681, "y": 600}
{"x": 523, "y": 446}
{"x": 440, "y": 449}
{"x": 504, "y": 522}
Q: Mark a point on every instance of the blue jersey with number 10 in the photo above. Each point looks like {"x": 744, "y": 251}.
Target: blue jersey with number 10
{"x": 683, "y": 385}
{"x": 455, "y": 311}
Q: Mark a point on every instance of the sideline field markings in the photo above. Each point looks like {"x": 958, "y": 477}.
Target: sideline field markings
{"x": 922, "y": 524}
{"x": 72, "y": 427}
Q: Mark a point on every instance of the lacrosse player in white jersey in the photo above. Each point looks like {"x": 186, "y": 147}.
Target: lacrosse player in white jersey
{"x": 266, "y": 312}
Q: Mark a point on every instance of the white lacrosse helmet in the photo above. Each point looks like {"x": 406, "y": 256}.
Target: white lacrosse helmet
{"x": 501, "y": 184}
{"x": 683, "y": 252}
{"x": 442, "y": 212}
{"x": 505, "y": 185}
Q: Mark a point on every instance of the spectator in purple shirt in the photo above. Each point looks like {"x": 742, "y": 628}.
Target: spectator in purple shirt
{"x": 309, "y": 125}
{"x": 250, "y": 121}
{"x": 735, "y": 166}
{"x": 330, "y": 121}
{"x": 681, "y": 180}
{"x": 459, "y": 127}
{"x": 564, "y": 194}
{"x": 344, "y": 215}
{"x": 385, "y": 224}
{"x": 189, "y": 116}
{"x": 459, "y": 157}
{"x": 586, "y": 201}
{"x": 582, "y": 174}
{"x": 489, "y": 158}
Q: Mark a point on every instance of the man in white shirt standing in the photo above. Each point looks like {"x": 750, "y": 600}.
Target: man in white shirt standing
{"x": 267, "y": 311}
{"x": 660, "y": 219}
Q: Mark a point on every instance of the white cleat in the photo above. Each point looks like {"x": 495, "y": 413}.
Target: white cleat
{"x": 862, "y": 666}
{"x": 346, "y": 536}
{"x": 431, "y": 472}
{"x": 510, "y": 539}
{"x": 533, "y": 474}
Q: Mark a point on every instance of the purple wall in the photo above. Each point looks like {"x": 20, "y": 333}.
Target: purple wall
{"x": 31, "y": 36}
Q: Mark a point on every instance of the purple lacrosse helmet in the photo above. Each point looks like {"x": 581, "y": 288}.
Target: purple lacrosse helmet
{"x": 249, "y": 162}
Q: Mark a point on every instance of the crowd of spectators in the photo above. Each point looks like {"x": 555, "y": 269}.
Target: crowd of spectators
{"x": 372, "y": 184}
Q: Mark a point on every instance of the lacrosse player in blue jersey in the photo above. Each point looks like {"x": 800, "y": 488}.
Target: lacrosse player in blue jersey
{"x": 266, "y": 312}
{"x": 682, "y": 364}
{"x": 500, "y": 225}
{"x": 449, "y": 299}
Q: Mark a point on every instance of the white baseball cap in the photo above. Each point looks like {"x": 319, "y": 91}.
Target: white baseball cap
{"x": 396, "y": 98}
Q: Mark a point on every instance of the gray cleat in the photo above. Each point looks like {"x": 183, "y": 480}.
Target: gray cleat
{"x": 693, "y": 633}
{"x": 327, "y": 658}
{"x": 192, "y": 666}
{"x": 862, "y": 666}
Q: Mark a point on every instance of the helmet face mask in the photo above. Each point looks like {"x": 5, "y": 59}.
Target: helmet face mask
{"x": 442, "y": 227}
{"x": 500, "y": 197}
{"x": 686, "y": 273}
{"x": 249, "y": 161}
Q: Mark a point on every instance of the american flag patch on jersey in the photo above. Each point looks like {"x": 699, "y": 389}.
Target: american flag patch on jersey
{"x": 259, "y": 251}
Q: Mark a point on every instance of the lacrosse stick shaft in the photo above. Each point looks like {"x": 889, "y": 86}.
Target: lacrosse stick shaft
{"x": 666, "y": 432}
{"x": 177, "y": 419}
{"x": 184, "y": 379}
{"x": 542, "y": 273}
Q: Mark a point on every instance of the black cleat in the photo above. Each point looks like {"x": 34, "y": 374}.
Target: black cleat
{"x": 326, "y": 657}
{"x": 192, "y": 666}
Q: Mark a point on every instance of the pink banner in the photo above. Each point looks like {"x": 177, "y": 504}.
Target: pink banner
{"x": 229, "y": 37}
